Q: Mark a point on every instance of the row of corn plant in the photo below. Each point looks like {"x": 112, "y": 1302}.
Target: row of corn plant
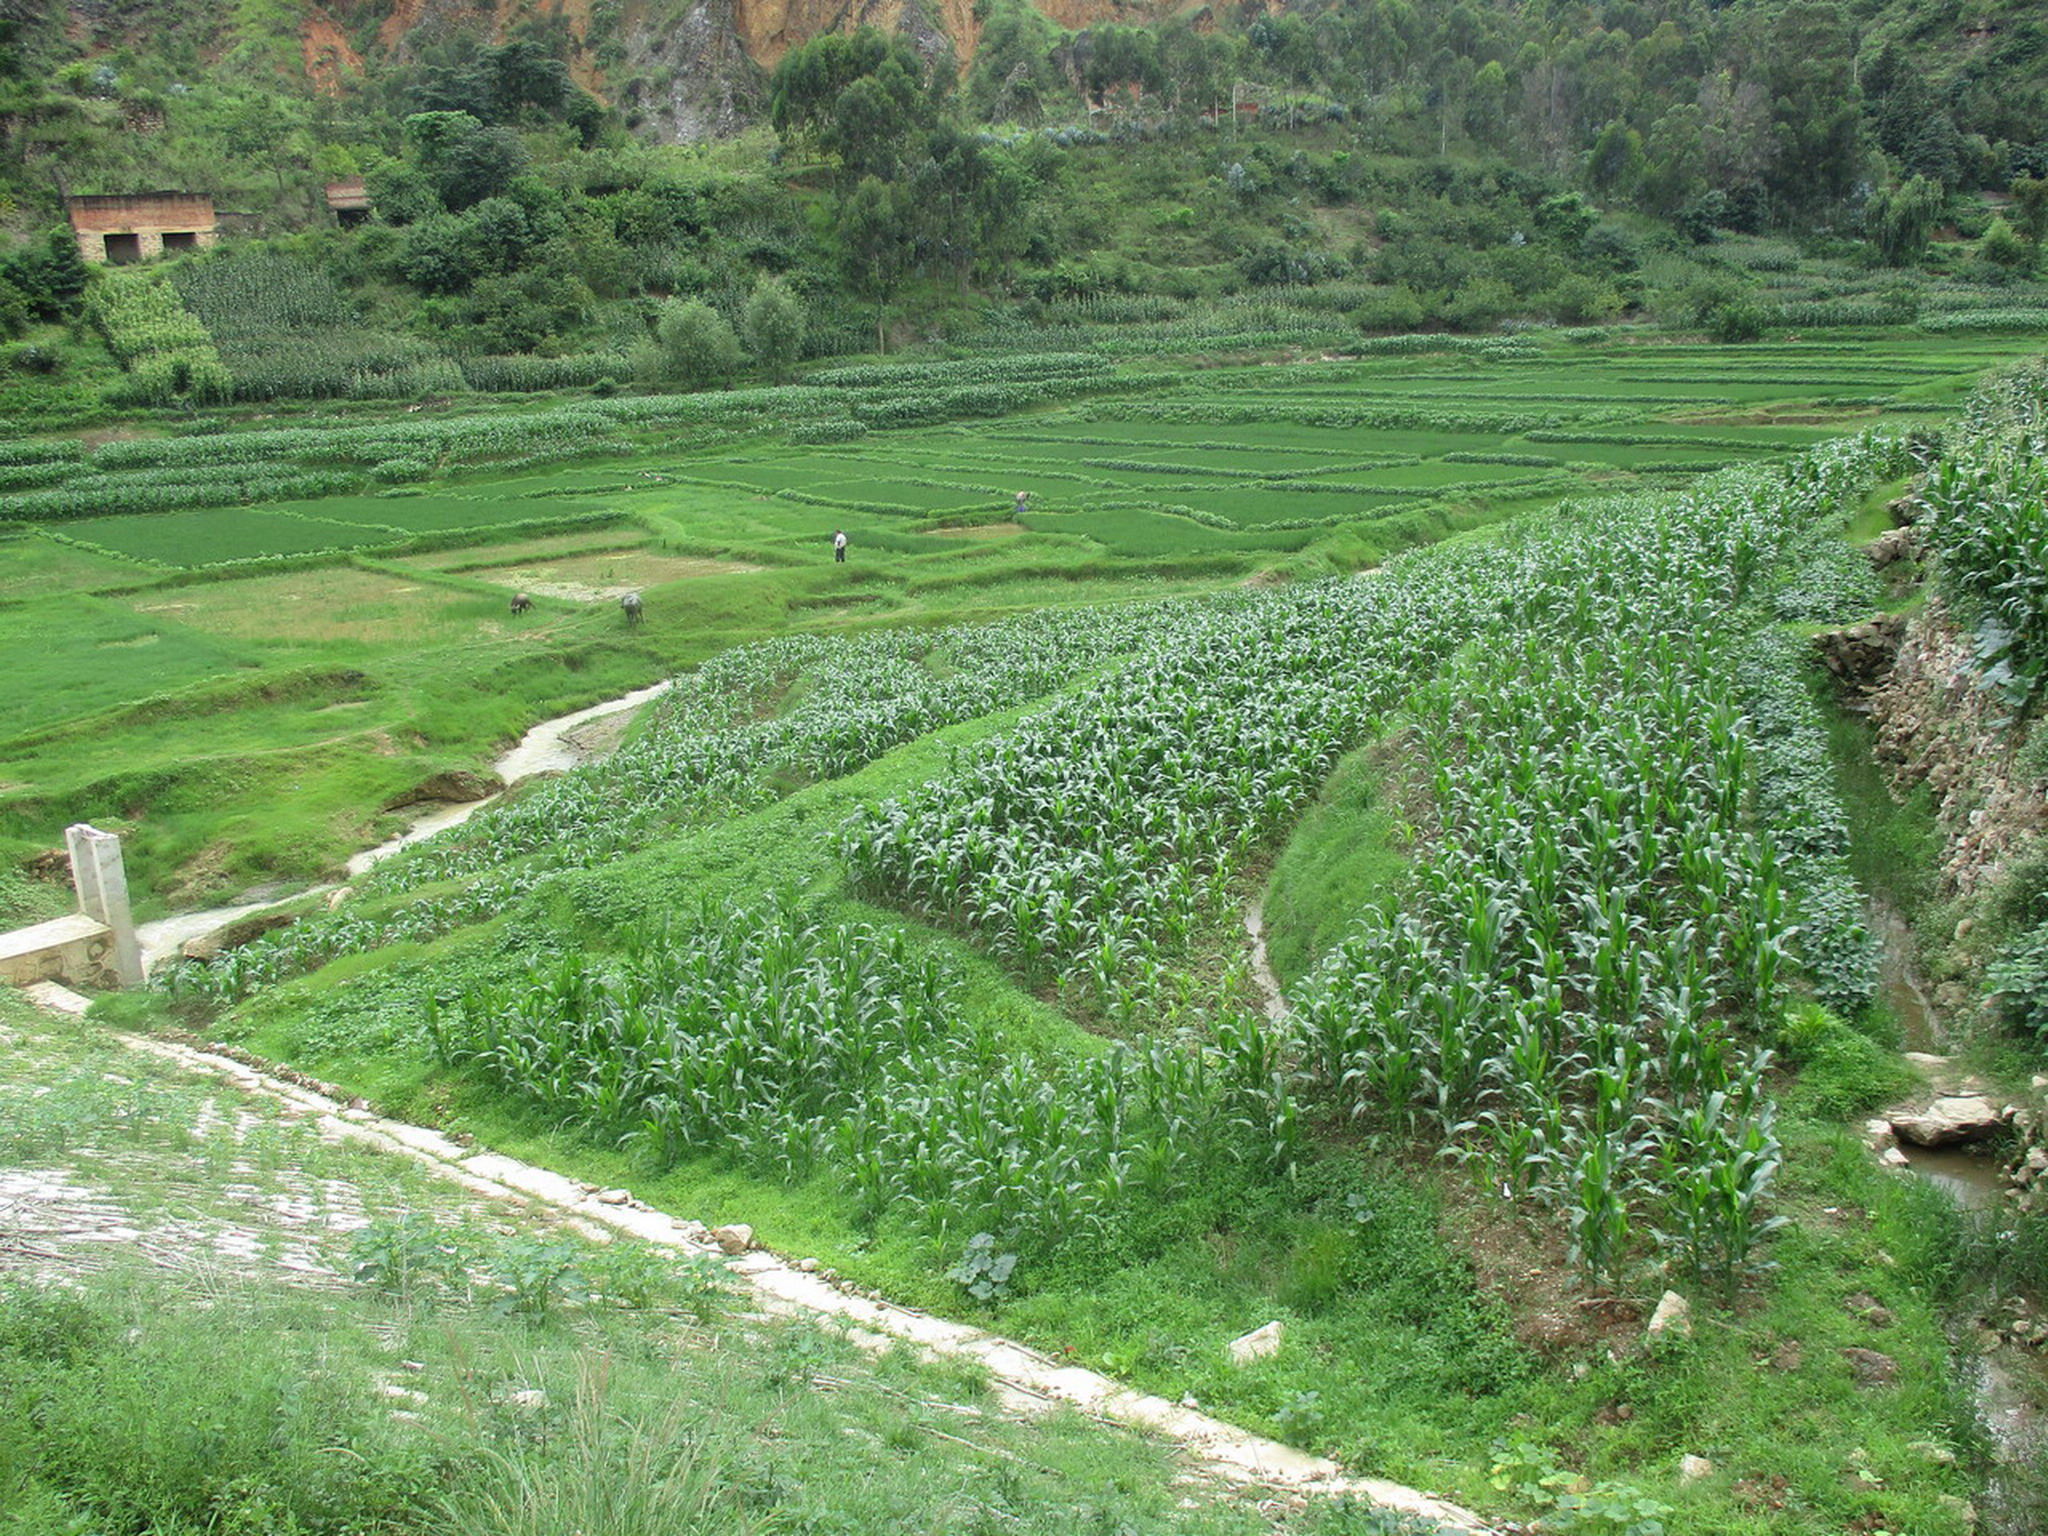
{"x": 1085, "y": 845}
{"x": 729, "y": 737}
{"x": 1987, "y": 523}
{"x": 1568, "y": 990}
{"x": 797, "y": 1048}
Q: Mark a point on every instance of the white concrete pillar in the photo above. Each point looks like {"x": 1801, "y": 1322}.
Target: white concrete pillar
{"x": 102, "y": 885}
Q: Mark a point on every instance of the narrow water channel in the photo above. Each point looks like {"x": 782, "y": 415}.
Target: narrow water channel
{"x": 2007, "y": 1382}
{"x": 548, "y": 747}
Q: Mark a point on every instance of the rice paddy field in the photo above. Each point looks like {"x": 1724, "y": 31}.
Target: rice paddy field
{"x": 922, "y": 926}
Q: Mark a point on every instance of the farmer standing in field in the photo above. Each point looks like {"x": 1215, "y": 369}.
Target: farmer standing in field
{"x": 1023, "y": 503}
{"x": 839, "y": 546}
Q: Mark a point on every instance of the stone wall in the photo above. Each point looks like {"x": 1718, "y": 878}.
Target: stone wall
{"x": 1938, "y": 725}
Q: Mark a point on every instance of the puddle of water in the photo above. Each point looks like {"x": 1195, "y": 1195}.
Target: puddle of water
{"x": 1975, "y": 1183}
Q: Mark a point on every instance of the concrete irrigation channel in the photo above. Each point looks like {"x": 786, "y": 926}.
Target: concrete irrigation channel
{"x": 1024, "y": 1379}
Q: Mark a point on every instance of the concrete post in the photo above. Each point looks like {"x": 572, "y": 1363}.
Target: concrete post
{"x": 102, "y": 884}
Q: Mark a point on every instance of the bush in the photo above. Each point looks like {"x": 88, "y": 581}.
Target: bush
{"x": 695, "y": 346}
{"x": 2019, "y": 979}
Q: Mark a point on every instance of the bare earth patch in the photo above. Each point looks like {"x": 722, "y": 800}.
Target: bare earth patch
{"x": 606, "y": 575}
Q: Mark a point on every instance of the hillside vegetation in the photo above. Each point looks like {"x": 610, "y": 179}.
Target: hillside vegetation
{"x": 1397, "y": 166}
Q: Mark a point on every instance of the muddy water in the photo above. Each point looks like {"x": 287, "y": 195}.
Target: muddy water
{"x": 1898, "y": 979}
{"x": 549, "y": 747}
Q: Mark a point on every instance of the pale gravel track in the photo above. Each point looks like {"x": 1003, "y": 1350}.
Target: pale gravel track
{"x": 1023, "y": 1377}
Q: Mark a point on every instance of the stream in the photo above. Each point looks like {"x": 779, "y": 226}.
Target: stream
{"x": 2006, "y": 1382}
{"x": 548, "y": 747}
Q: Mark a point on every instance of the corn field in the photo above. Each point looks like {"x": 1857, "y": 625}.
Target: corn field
{"x": 795, "y": 1048}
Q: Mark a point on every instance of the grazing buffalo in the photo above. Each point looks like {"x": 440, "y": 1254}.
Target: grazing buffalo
{"x": 521, "y": 603}
{"x": 631, "y": 603}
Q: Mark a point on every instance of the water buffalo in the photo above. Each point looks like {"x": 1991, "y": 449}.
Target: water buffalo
{"x": 521, "y": 603}
{"x": 631, "y": 603}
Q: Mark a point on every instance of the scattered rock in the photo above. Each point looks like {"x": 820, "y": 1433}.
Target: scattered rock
{"x": 528, "y": 1397}
{"x": 1872, "y": 1367}
{"x": 614, "y": 1197}
{"x": 737, "y": 1238}
{"x": 1951, "y": 1121}
{"x": 1672, "y": 1319}
{"x": 338, "y": 895}
{"x": 458, "y": 786}
{"x": 1904, "y": 509}
{"x": 807, "y": 1266}
{"x": 1892, "y": 1157}
{"x": 1257, "y": 1344}
{"x": 52, "y": 864}
{"x": 1963, "y": 1509}
{"x": 1933, "y": 1451}
{"x": 1190, "y": 1401}
{"x": 1692, "y": 1468}
{"x": 1870, "y": 1309}
{"x": 1878, "y": 1133}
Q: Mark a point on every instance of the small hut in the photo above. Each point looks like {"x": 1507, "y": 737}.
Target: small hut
{"x": 141, "y": 225}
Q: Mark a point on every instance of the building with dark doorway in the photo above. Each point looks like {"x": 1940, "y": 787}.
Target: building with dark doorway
{"x": 349, "y": 201}
{"x": 141, "y": 225}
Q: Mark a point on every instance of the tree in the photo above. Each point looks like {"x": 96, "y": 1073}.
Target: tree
{"x": 2030, "y": 207}
{"x": 874, "y": 243}
{"x": 463, "y": 160}
{"x": 1899, "y": 221}
{"x": 2003, "y": 249}
{"x": 695, "y": 344}
{"x": 774, "y": 324}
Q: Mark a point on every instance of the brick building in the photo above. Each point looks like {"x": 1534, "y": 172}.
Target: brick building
{"x": 141, "y": 225}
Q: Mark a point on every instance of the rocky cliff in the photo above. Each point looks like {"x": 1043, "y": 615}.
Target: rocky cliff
{"x": 685, "y": 69}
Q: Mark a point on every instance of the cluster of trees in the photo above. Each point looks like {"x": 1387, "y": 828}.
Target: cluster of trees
{"x": 912, "y": 191}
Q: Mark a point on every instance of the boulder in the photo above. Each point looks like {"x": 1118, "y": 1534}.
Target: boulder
{"x": 737, "y": 1238}
{"x": 1692, "y": 1468}
{"x": 1952, "y": 1121}
{"x": 1891, "y": 546}
{"x": 457, "y": 786}
{"x": 1672, "y": 1319}
{"x": 1256, "y": 1345}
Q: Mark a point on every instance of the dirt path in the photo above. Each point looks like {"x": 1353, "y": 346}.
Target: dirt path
{"x": 1023, "y": 1378}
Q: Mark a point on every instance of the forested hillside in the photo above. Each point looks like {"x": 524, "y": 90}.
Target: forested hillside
{"x": 685, "y": 193}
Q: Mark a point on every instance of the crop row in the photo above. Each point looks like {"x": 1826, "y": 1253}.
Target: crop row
{"x": 1987, "y": 522}
{"x": 1089, "y": 840}
{"x": 794, "y": 1048}
{"x": 727, "y": 738}
{"x": 1569, "y": 988}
